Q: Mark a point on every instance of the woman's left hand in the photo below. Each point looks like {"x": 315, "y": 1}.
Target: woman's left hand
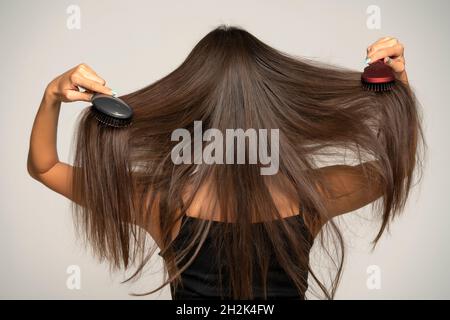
{"x": 392, "y": 52}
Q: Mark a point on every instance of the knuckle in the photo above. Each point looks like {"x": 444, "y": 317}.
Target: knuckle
{"x": 73, "y": 77}
{"x": 399, "y": 47}
{"x": 82, "y": 67}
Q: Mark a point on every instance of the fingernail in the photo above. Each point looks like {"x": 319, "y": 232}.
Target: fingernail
{"x": 367, "y": 61}
{"x": 114, "y": 93}
{"x": 387, "y": 60}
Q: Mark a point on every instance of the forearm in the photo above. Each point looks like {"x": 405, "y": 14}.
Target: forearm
{"x": 42, "y": 154}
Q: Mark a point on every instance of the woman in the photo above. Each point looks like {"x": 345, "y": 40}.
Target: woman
{"x": 226, "y": 231}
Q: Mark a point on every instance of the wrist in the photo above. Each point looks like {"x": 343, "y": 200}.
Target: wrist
{"x": 50, "y": 95}
{"x": 402, "y": 76}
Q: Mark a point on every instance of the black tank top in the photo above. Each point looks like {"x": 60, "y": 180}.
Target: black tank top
{"x": 201, "y": 279}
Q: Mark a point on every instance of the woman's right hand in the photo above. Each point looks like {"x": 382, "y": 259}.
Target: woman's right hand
{"x": 66, "y": 87}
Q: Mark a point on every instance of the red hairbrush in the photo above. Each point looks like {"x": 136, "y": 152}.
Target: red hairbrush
{"x": 378, "y": 77}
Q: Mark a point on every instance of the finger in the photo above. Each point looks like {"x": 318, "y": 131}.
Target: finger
{"x": 84, "y": 66}
{"x": 89, "y": 73}
{"x": 73, "y": 95}
{"x": 94, "y": 77}
{"x": 393, "y": 52}
{"x": 383, "y": 44}
{"x": 369, "y": 48}
{"x": 397, "y": 64}
{"x": 88, "y": 84}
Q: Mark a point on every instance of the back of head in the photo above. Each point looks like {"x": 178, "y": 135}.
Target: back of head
{"x": 296, "y": 112}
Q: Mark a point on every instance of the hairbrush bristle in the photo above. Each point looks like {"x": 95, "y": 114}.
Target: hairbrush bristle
{"x": 110, "y": 121}
{"x": 378, "y": 87}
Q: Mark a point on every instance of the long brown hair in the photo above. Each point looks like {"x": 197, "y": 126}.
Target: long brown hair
{"x": 233, "y": 80}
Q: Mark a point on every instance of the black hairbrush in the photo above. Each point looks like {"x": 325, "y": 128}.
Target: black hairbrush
{"x": 111, "y": 111}
{"x": 378, "y": 77}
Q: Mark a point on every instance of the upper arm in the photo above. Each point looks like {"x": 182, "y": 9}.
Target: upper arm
{"x": 58, "y": 178}
{"x": 347, "y": 188}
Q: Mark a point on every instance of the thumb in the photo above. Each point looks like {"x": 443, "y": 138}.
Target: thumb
{"x": 397, "y": 64}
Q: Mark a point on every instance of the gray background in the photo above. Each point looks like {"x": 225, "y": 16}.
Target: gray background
{"x": 133, "y": 43}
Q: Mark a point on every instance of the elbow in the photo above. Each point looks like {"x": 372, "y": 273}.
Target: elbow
{"x": 32, "y": 173}
{"x": 30, "y": 169}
